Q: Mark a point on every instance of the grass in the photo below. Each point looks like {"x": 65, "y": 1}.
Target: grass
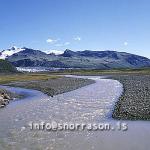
{"x": 7, "y": 78}
{"x": 100, "y": 72}
{"x": 25, "y": 77}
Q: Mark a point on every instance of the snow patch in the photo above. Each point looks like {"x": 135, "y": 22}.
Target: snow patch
{"x": 56, "y": 52}
{"x": 5, "y": 53}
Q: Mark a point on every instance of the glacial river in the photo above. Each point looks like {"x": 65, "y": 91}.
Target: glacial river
{"x": 92, "y": 104}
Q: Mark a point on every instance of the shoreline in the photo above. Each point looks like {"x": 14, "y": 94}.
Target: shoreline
{"x": 50, "y": 87}
{"x": 6, "y": 96}
{"x": 133, "y": 104}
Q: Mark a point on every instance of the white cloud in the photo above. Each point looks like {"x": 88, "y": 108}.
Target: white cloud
{"x": 55, "y": 41}
{"x": 125, "y": 43}
{"x": 77, "y": 38}
{"x": 51, "y": 41}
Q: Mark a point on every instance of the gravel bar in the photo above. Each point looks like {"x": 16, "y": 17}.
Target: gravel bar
{"x": 134, "y": 104}
{"x": 53, "y": 87}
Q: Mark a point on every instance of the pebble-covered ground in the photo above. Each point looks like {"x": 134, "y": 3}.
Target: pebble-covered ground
{"x": 134, "y": 104}
{"x": 53, "y": 87}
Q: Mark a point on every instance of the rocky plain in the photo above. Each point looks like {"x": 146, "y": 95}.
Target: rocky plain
{"x": 134, "y": 104}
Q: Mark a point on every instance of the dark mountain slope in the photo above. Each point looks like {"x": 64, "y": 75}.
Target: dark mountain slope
{"x": 6, "y": 67}
{"x": 80, "y": 59}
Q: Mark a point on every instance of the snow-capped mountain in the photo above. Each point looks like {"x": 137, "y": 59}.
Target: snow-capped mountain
{"x": 27, "y": 57}
{"x": 9, "y": 52}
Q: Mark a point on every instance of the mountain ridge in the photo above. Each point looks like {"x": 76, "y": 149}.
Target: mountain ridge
{"x": 107, "y": 59}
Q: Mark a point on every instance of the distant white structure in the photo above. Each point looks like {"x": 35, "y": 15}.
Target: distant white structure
{"x": 31, "y": 69}
{"x": 40, "y": 69}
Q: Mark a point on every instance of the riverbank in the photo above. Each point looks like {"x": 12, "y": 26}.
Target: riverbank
{"x": 48, "y": 84}
{"x": 6, "y": 97}
{"x": 89, "y": 104}
{"x": 55, "y": 86}
{"x": 6, "y": 78}
{"x": 134, "y": 104}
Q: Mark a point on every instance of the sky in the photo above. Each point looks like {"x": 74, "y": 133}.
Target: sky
{"x": 121, "y": 25}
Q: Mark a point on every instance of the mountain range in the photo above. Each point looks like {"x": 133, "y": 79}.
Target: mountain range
{"x": 27, "y": 57}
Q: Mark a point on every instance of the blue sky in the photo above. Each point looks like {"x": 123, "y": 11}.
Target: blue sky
{"x": 122, "y": 25}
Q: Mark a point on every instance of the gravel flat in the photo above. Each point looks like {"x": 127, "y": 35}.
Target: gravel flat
{"x": 53, "y": 87}
{"x": 134, "y": 104}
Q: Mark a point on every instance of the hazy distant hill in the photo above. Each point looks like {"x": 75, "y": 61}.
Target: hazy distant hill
{"x": 80, "y": 59}
{"x": 6, "y": 67}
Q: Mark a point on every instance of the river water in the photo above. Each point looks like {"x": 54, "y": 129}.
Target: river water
{"x": 92, "y": 104}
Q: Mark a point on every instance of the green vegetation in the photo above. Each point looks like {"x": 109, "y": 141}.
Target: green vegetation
{"x": 7, "y": 78}
{"x": 6, "y": 67}
{"x": 25, "y": 77}
{"x": 101, "y": 72}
